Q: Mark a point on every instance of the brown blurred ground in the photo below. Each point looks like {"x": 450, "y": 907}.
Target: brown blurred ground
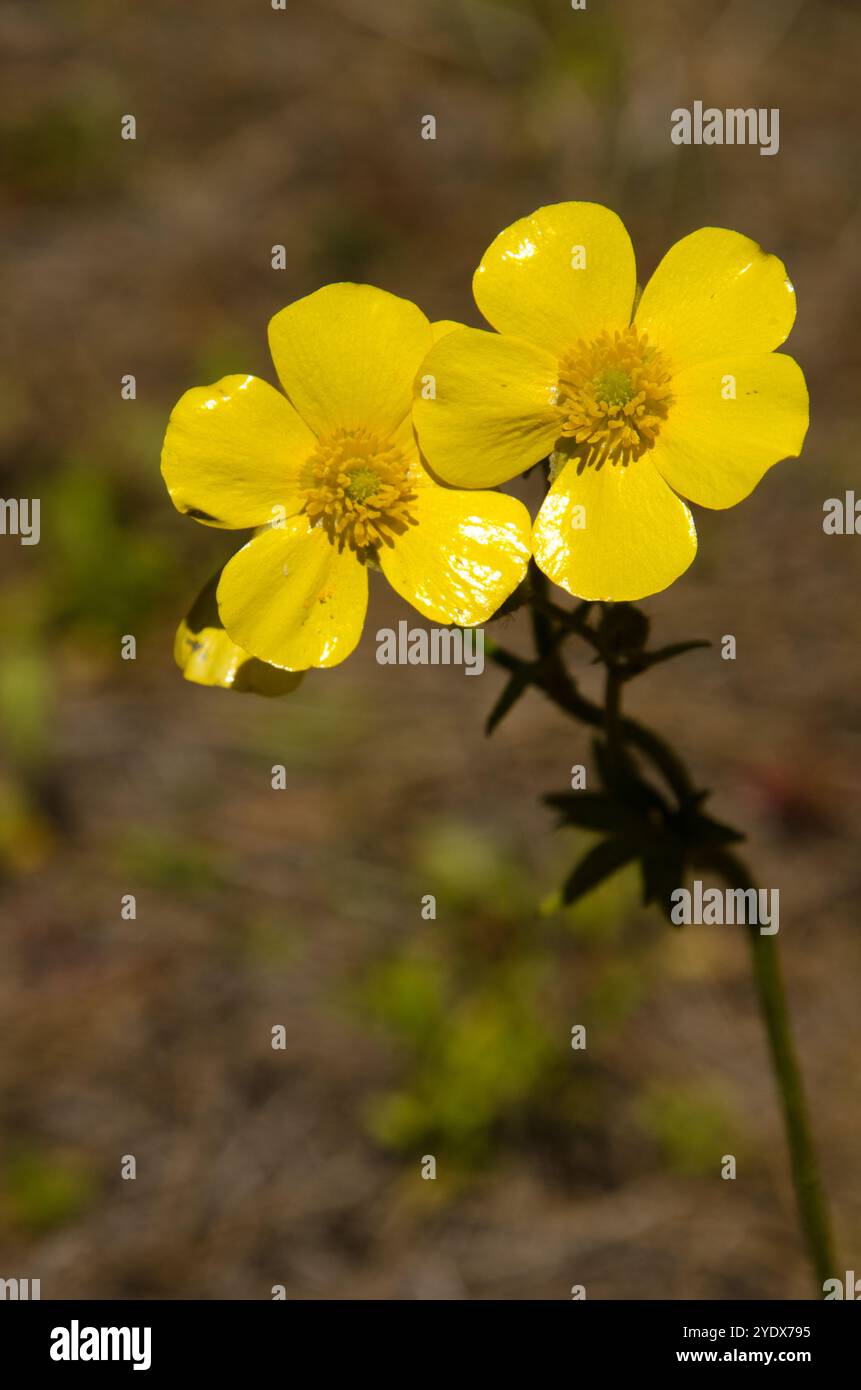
{"x": 256, "y": 908}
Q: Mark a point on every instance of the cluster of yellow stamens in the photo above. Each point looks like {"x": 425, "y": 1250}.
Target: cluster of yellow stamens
{"x": 612, "y": 396}
{"x": 359, "y": 489}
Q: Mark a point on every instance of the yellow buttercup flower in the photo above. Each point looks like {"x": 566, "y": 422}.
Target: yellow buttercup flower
{"x": 330, "y": 476}
{"x": 634, "y": 400}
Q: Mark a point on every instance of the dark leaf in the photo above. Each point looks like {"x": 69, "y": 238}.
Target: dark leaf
{"x": 591, "y": 811}
{"x": 507, "y": 660}
{"x": 511, "y": 693}
{"x": 620, "y": 778}
{"x": 663, "y": 872}
{"x": 705, "y": 831}
{"x": 598, "y": 864}
{"x": 667, "y": 653}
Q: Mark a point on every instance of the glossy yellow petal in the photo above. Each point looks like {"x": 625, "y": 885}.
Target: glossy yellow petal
{"x": 613, "y": 532}
{"x": 206, "y": 655}
{"x": 715, "y": 447}
{"x": 233, "y": 451}
{"x": 347, "y": 356}
{"x": 290, "y": 597}
{"x": 558, "y": 276}
{"x": 464, "y": 556}
{"x": 716, "y": 292}
{"x": 488, "y": 413}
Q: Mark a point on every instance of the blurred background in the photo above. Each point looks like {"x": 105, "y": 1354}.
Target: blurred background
{"x": 404, "y": 1037}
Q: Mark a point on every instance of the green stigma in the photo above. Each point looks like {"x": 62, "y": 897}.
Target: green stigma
{"x": 363, "y": 483}
{"x": 613, "y": 386}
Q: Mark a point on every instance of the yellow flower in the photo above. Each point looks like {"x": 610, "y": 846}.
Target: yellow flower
{"x": 633, "y": 400}
{"x": 331, "y": 477}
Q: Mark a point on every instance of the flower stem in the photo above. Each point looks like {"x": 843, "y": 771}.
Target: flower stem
{"x": 613, "y": 714}
{"x": 768, "y": 977}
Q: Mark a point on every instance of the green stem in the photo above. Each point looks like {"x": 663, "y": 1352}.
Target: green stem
{"x": 768, "y": 977}
{"x": 613, "y": 714}
{"x": 553, "y": 679}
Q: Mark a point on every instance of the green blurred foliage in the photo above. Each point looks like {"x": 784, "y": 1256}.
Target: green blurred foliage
{"x": 348, "y": 242}
{"x": 27, "y": 700}
{"x": 479, "y": 1059}
{"x": 480, "y": 1008}
{"x": 227, "y": 350}
{"x": 106, "y": 573}
{"x": 602, "y": 917}
{"x": 159, "y": 859}
{"x": 538, "y": 44}
{"x": 27, "y": 835}
{"x": 694, "y": 1124}
{"x": 59, "y": 152}
{"x": 269, "y": 941}
{"x": 100, "y": 576}
{"x": 594, "y": 53}
{"x": 619, "y": 988}
{"x": 470, "y": 870}
{"x": 174, "y": 863}
{"x": 43, "y": 1191}
{"x": 318, "y": 731}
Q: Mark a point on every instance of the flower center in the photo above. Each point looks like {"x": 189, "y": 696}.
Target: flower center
{"x": 612, "y": 397}
{"x": 359, "y": 489}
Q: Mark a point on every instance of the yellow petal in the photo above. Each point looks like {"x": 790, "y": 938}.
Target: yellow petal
{"x": 206, "y": 655}
{"x": 347, "y": 356}
{"x": 290, "y": 597}
{"x": 714, "y": 449}
{"x": 464, "y": 556}
{"x": 441, "y": 327}
{"x": 613, "y": 532}
{"x": 492, "y": 415}
{"x": 406, "y": 440}
{"x": 233, "y": 451}
{"x": 716, "y": 292}
{"x": 558, "y": 276}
